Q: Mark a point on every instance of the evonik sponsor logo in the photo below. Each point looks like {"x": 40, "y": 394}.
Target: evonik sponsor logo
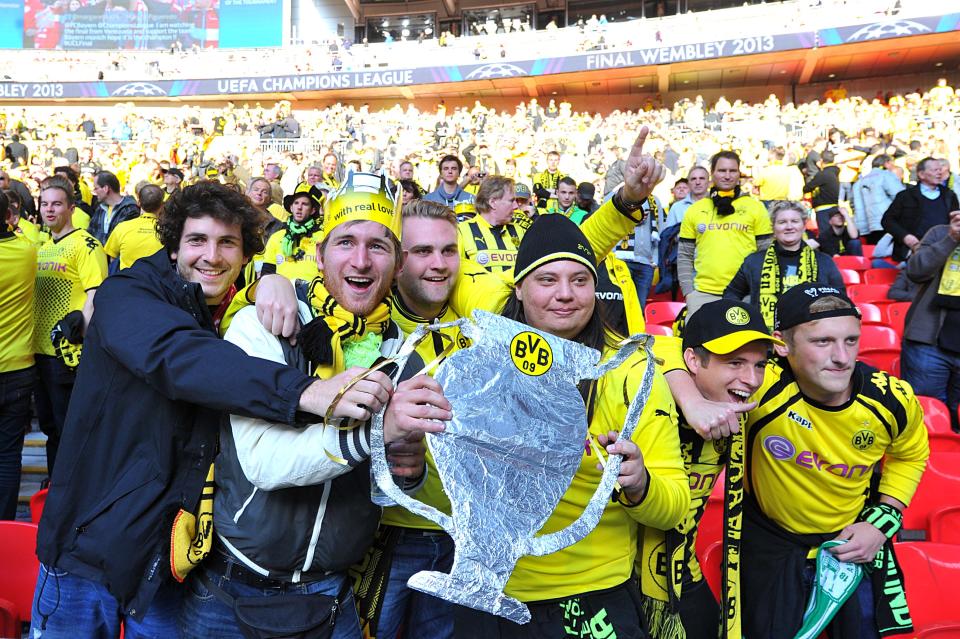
{"x": 782, "y": 449}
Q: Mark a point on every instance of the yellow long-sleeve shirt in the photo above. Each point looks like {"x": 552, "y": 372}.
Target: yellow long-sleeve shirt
{"x": 605, "y": 557}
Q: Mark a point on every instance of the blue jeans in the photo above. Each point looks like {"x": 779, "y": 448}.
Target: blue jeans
{"x": 66, "y": 607}
{"x": 15, "y": 390}
{"x": 206, "y": 617}
{"x": 642, "y": 278}
{"x": 863, "y": 596}
{"x": 932, "y": 371}
{"x": 422, "y": 615}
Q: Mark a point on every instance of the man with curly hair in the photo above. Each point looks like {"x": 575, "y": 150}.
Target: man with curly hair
{"x": 154, "y": 385}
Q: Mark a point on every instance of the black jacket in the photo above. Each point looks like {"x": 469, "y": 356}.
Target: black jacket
{"x": 747, "y": 280}
{"x": 153, "y": 387}
{"x": 825, "y": 186}
{"x": 903, "y": 216}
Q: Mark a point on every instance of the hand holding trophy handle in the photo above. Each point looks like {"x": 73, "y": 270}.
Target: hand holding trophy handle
{"x": 378, "y": 459}
{"x": 590, "y": 517}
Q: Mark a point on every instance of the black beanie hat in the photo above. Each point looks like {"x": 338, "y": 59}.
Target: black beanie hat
{"x": 550, "y": 238}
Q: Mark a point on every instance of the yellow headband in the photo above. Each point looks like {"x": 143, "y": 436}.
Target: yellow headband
{"x": 364, "y": 197}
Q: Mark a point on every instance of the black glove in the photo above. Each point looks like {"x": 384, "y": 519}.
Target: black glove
{"x": 67, "y": 339}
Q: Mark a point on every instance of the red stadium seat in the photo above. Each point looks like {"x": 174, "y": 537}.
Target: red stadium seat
{"x": 944, "y": 443}
{"x": 36, "y": 505}
{"x": 897, "y": 315}
{"x": 885, "y": 359}
{"x": 880, "y": 275}
{"x": 658, "y": 329}
{"x": 10, "y": 624}
{"x": 662, "y": 312}
{"x": 937, "y": 483}
{"x": 850, "y": 276}
{"x": 18, "y": 565}
{"x": 868, "y": 250}
{"x": 945, "y": 525}
{"x": 935, "y": 415}
{"x": 870, "y": 293}
{"x": 931, "y": 573}
{"x": 710, "y": 563}
{"x": 871, "y": 314}
{"x": 855, "y": 262}
{"x": 878, "y": 338}
{"x": 710, "y": 529}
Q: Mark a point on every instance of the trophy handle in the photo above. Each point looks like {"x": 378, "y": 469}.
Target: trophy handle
{"x": 378, "y": 456}
{"x": 590, "y": 517}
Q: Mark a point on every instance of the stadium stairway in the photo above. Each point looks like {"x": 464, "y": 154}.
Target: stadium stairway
{"x": 34, "y": 469}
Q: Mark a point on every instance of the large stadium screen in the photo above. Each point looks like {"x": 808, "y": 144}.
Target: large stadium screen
{"x": 139, "y": 24}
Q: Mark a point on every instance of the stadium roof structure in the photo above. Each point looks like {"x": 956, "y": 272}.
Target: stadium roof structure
{"x": 890, "y": 46}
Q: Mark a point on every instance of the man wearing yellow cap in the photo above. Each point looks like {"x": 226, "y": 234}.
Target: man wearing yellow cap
{"x": 293, "y": 508}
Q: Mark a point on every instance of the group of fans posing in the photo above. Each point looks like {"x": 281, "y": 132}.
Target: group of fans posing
{"x": 272, "y": 424}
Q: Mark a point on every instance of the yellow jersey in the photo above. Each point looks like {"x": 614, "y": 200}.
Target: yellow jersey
{"x": 301, "y": 265}
{"x": 29, "y": 230}
{"x": 18, "y": 264}
{"x": 809, "y": 466}
{"x": 431, "y": 492}
{"x": 492, "y": 247}
{"x": 723, "y": 242}
{"x": 134, "y": 239}
{"x": 67, "y": 268}
{"x": 80, "y": 219}
{"x": 279, "y": 212}
{"x": 605, "y": 557}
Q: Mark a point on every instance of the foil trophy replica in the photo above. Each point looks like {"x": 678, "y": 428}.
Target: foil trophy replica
{"x": 509, "y": 454}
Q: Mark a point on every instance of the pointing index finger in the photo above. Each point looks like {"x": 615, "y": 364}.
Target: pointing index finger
{"x": 637, "y": 149}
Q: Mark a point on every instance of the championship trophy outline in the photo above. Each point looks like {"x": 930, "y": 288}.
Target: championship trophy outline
{"x": 505, "y": 476}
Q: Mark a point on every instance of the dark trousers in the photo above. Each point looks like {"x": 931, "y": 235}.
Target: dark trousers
{"x": 15, "y": 390}
{"x": 54, "y": 385}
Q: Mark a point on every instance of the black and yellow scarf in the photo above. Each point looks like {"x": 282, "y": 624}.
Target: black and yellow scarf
{"x": 723, "y": 200}
{"x": 771, "y": 280}
{"x": 948, "y": 293}
{"x": 336, "y": 339}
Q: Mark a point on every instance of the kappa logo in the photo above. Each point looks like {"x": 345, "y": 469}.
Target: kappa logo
{"x": 888, "y": 29}
{"x": 497, "y": 70}
{"x": 800, "y": 419}
{"x": 142, "y": 89}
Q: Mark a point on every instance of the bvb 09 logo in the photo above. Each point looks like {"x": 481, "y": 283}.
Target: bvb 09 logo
{"x": 738, "y": 316}
{"x": 863, "y": 439}
{"x": 531, "y": 353}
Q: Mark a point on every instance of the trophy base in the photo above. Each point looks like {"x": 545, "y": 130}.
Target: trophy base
{"x": 447, "y": 587}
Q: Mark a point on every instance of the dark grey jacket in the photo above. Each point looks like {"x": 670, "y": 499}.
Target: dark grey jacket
{"x": 925, "y": 318}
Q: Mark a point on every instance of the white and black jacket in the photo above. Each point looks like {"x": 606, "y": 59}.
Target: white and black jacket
{"x": 282, "y": 506}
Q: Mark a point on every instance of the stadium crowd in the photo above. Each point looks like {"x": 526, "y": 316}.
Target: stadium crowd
{"x": 133, "y": 243}
{"x": 507, "y": 40}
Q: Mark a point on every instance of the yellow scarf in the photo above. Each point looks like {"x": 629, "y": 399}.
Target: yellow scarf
{"x": 948, "y": 293}
{"x": 771, "y": 281}
{"x": 350, "y": 340}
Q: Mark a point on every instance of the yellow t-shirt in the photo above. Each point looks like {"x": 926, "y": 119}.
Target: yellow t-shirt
{"x": 18, "y": 264}
{"x": 66, "y": 269}
{"x": 279, "y": 212}
{"x": 293, "y": 267}
{"x": 723, "y": 242}
{"x": 80, "y": 219}
{"x": 605, "y": 557}
{"x": 431, "y": 493}
{"x": 493, "y": 248}
{"x": 809, "y": 466}
{"x": 134, "y": 239}
{"x": 28, "y": 230}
